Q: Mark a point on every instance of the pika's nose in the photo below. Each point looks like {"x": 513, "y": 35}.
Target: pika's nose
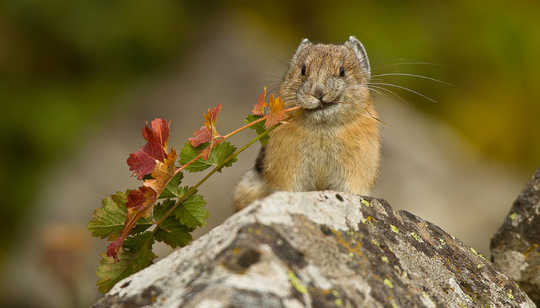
{"x": 318, "y": 93}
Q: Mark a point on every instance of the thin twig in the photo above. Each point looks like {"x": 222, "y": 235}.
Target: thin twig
{"x": 236, "y": 131}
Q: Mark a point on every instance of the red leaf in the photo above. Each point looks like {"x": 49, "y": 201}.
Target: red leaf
{"x": 200, "y": 136}
{"x": 210, "y": 118}
{"x": 139, "y": 203}
{"x": 112, "y": 248}
{"x": 143, "y": 161}
{"x": 207, "y": 133}
{"x": 159, "y": 132}
{"x": 136, "y": 198}
{"x": 258, "y": 109}
{"x": 153, "y": 158}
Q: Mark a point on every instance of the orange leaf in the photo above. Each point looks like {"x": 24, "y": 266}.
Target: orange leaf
{"x": 277, "y": 111}
{"x": 207, "y": 133}
{"x": 163, "y": 173}
{"x": 258, "y": 109}
{"x": 210, "y": 119}
{"x": 200, "y": 136}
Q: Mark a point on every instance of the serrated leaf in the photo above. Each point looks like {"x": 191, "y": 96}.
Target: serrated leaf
{"x": 277, "y": 111}
{"x": 142, "y": 200}
{"x": 208, "y": 132}
{"x": 200, "y": 136}
{"x": 161, "y": 208}
{"x": 172, "y": 233}
{"x": 136, "y": 255}
{"x": 108, "y": 220}
{"x": 137, "y": 198}
{"x": 143, "y": 161}
{"x": 258, "y": 109}
{"x": 259, "y": 127}
{"x": 210, "y": 119}
{"x": 192, "y": 212}
{"x": 139, "y": 205}
{"x": 163, "y": 172}
{"x": 218, "y": 155}
{"x": 171, "y": 190}
{"x": 188, "y": 153}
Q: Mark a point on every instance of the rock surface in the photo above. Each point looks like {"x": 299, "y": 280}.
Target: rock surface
{"x": 515, "y": 248}
{"x": 320, "y": 249}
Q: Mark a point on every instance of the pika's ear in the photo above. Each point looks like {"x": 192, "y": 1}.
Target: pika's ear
{"x": 303, "y": 44}
{"x": 354, "y": 44}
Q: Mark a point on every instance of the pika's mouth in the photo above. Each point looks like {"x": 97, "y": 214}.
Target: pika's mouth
{"x": 322, "y": 106}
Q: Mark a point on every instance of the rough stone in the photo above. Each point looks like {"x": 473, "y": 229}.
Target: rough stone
{"x": 515, "y": 248}
{"x": 320, "y": 249}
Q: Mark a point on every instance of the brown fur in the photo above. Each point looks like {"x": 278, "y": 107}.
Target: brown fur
{"x": 332, "y": 145}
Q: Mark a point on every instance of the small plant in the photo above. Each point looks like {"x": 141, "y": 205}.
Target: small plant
{"x": 161, "y": 209}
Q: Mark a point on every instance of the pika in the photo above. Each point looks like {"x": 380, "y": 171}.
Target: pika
{"x": 332, "y": 141}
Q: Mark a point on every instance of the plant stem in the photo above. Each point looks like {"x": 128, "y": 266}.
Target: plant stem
{"x": 193, "y": 189}
{"x": 234, "y": 132}
{"x": 185, "y": 165}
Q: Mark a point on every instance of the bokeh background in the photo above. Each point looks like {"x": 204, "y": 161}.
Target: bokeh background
{"x": 79, "y": 78}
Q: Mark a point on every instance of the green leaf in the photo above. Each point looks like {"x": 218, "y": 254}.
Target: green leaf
{"x": 171, "y": 190}
{"x": 188, "y": 153}
{"x": 108, "y": 220}
{"x": 172, "y": 233}
{"x": 219, "y": 153}
{"x": 259, "y": 127}
{"x": 135, "y": 255}
{"x": 161, "y": 208}
{"x": 192, "y": 212}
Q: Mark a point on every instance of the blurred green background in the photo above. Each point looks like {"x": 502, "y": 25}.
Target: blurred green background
{"x": 64, "y": 65}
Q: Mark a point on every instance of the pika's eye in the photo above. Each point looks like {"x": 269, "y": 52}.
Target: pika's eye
{"x": 341, "y": 72}
{"x": 304, "y": 70}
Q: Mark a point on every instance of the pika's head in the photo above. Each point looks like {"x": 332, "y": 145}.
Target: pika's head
{"x": 327, "y": 79}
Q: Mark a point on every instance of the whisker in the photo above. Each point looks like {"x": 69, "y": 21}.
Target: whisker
{"x": 376, "y": 92}
{"x": 376, "y": 88}
{"x": 393, "y": 94}
{"x": 414, "y": 75}
{"x": 410, "y": 63}
{"x": 406, "y": 89}
{"x": 374, "y": 117}
{"x": 365, "y": 108}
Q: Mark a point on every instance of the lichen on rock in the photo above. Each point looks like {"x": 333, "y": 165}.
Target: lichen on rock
{"x": 320, "y": 249}
{"x": 515, "y": 248}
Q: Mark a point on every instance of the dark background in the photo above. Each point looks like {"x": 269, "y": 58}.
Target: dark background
{"x": 79, "y": 78}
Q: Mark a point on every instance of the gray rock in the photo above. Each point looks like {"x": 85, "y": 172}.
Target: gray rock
{"x": 320, "y": 249}
{"x": 515, "y": 247}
